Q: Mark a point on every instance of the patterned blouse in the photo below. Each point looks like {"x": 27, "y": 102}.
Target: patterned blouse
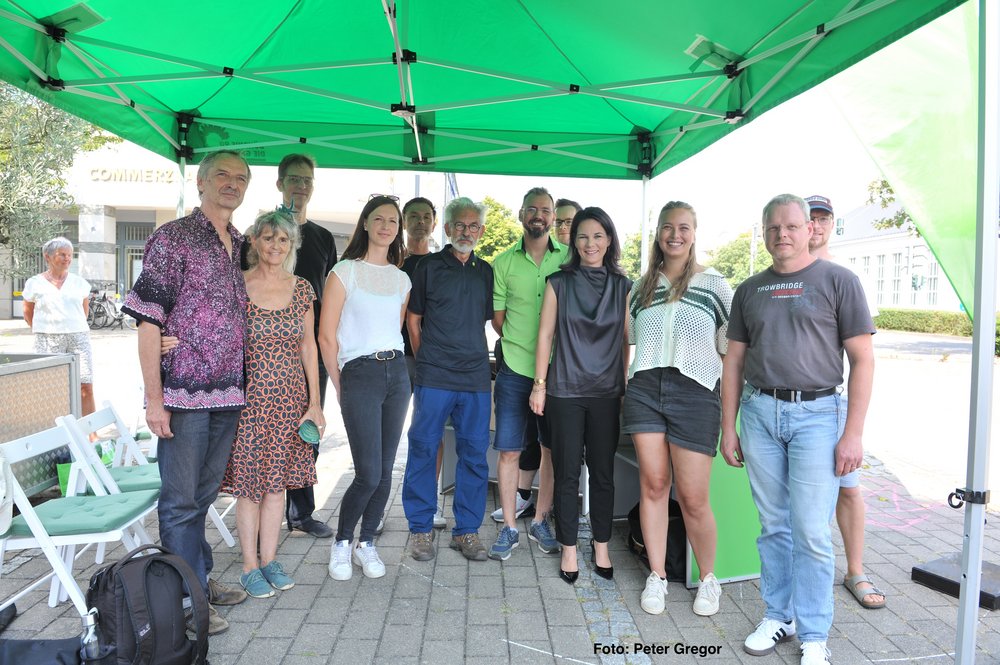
{"x": 193, "y": 290}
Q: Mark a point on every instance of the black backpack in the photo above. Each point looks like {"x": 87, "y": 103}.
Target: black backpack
{"x": 140, "y": 613}
{"x": 676, "y": 542}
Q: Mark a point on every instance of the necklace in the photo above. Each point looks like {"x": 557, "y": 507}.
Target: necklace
{"x": 56, "y": 281}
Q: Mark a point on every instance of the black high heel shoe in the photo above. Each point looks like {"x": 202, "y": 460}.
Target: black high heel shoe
{"x": 569, "y": 577}
{"x": 607, "y": 573}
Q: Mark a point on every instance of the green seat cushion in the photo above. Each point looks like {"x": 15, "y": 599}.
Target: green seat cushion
{"x": 74, "y": 515}
{"x": 134, "y": 478}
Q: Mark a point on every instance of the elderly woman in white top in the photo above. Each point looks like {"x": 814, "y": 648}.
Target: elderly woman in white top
{"x": 56, "y": 304}
{"x": 678, "y": 316}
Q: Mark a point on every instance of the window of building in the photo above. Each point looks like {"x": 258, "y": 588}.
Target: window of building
{"x": 932, "y": 283}
{"x": 880, "y": 279}
{"x": 897, "y": 273}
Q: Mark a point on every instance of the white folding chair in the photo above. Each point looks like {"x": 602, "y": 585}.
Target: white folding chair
{"x": 129, "y": 467}
{"x": 59, "y": 525}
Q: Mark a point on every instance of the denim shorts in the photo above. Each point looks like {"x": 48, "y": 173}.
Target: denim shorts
{"x": 516, "y": 424}
{"x": 664, "y": 400}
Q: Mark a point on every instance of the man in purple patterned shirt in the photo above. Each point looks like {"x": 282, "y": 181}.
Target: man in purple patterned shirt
{"x": 191, "y": 287}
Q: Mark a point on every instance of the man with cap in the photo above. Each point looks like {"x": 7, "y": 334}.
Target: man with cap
{"x": 850, "y": 503}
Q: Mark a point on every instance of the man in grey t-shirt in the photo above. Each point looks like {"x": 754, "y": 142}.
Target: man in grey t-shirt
{"x": 788, "y": 330}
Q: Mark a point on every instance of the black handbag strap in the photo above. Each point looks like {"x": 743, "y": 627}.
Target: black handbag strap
{"x": 133, "y": 579}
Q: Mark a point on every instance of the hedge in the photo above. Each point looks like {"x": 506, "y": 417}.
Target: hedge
{"x": 926, "y": 321}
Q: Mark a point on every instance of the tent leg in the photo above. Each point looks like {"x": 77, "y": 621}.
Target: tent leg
{"x": 180, "y": 190}
{"x": 644, "y": 227}
{"x": 987, "y": 214}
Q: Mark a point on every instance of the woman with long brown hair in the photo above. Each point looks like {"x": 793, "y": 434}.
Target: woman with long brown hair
{"x": 359, "y": 334}
{"x": 678, "y": 316}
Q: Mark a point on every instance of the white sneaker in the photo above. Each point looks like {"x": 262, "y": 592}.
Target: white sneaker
{"x": 520, "y": 505}
{"x": 366, "y": 556}
{"x": 706, "y": 603}
{"x": 769, "y": 633}
{"x": 814, "y": 653}
{"x": 654, "y": 596}
{"x": 439, "y": 521}
{"x": 381, "y": 525}
{"x": 340, "y": 560}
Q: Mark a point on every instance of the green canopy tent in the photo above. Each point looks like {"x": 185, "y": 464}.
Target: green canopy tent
{"x": 587, "y": 88}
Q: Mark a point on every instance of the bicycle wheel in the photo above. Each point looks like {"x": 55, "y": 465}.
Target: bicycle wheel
{"x": 101, "y": 318}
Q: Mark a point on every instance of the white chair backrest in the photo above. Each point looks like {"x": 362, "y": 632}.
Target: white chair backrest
{"x": 126, "y": 449}
{"x": 48, "y": 441}
{"x": 85, "y": 455}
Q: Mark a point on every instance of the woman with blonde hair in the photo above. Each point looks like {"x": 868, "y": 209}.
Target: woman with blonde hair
{"x": 678, "y": 316}
{"x": 282, "y": 394}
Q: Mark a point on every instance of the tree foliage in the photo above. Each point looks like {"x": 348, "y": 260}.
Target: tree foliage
{"x": 881, "y": 192}
{"x": 632, "y": 256}
{"x": 733, "y": 259}
{"x": 502, "y": 230}
{"x": 37, "y": 145}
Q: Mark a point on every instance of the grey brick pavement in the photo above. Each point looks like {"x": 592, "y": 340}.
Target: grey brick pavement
{"x": 452, "y": 611}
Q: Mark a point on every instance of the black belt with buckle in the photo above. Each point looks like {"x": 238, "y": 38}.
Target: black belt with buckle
{"x": 391, "y": 354}
{"x": 788, "y": 395}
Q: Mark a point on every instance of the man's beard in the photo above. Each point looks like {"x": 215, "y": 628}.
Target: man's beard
{"x": 537, "y": 233}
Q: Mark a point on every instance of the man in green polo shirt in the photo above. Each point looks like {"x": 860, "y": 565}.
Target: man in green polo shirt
{"x": 518, "y": 284}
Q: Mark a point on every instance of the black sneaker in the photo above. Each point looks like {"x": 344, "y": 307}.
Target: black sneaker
{"x": 313, "y": 527}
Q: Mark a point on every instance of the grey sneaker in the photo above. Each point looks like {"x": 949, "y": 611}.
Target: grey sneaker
{"x": 216, "y": 624}
{"x": 522, "y": 508}
{"x": 422, "y": 546}
{"x": 220, "y": 594}
{"x": 470, "y": 546}
{"x": 505, "y": 544}
{"x": 541, "y": 533}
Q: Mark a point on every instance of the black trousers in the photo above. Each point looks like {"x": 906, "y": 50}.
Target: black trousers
{"x": 300, "y": 503}
{"x": 583, "y": 428}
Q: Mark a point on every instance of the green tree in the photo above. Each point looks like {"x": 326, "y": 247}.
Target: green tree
{"x": 632, "y": 256}
{"x": 880, "y": 192}
{"x": 502, "y": 230}
{"x": 733, "y": 259}
{"x": 37, "y": 145}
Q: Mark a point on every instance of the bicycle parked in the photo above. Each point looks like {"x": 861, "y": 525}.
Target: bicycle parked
{"x": 106, "y": 313}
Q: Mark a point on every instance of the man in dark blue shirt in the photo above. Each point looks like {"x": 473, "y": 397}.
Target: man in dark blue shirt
{"x": 450, "y": 302}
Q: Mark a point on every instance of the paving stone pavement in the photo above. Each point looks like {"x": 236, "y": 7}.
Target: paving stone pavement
{"x": 449, "y": 610}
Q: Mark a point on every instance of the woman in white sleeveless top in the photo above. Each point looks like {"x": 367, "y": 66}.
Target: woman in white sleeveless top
{"x": 363, "y": 307}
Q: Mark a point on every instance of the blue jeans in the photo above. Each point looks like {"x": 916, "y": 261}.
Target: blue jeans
{"x": 192, "y": 464}
{"x": 373, "y": 400}
{"x": 789, "y": 452}
{"x": 510, "y": 393}
{"x": 470, "y": 416}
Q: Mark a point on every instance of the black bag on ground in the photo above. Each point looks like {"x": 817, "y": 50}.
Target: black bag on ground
{"x": 140, "y": 612}
{"x": 676, "y": 541}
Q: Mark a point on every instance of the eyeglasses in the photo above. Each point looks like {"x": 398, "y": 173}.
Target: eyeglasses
{"x": 299, "y": 181}
{"x": 461, "y": 227}
{"x": 564, "y": 222}
{"x": 383, "y": 196}
{"x": 544, "y": 212}
{"x": 825, "y": 220}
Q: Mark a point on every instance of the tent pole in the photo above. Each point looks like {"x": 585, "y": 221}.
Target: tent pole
{"x": 180, "y": 191}
{"x": 644, "y": 228}
{"x": 983, "y": 349}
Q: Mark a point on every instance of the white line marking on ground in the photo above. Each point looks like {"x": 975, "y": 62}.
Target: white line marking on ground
{"x": 547, "y": 653}
{"x": 431, "y": 580}
{"x": 910, "y": 659}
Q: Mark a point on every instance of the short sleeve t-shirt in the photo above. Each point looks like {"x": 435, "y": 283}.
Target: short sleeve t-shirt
{"x": 795, "y": 324}
{"x": 57, "y": 311}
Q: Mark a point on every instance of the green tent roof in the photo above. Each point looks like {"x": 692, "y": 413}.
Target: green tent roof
{"x": 584, "y": 88}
